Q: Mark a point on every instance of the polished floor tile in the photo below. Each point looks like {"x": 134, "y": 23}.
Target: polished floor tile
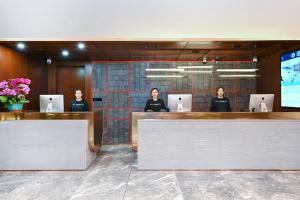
{"x": 152, "y": 185}
{"x": 114, "y": 175}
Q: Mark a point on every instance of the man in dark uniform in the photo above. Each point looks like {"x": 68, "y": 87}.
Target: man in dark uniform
{"x": 79, "y": 105}
{"x": 220, "y": 103}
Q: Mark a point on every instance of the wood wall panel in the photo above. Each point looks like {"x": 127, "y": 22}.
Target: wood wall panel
{"x": 51, "y": 79}
{"x": 12, "y": 64}
{"x": 269, "y": 81}
{"x": 15, "y": 64}
{"x": 68, "y": 79}
{"x": 88, "y": 95}
{"x": 38, "y": 73}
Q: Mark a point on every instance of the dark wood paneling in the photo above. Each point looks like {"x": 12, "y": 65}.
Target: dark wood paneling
{"x": 12, "y": 64}
{"x": 38, "y": 73}
{"x": 156, "y": 51}
{"x": 46, "y": 79}
{"x": 51, "y": 78}
{"x": 89, "y": 85}
{"x": 15, "y": 64}
{"x": 68, "y": 79}
{"x": 269, "y": 69}
{"x": 269, "y": 80}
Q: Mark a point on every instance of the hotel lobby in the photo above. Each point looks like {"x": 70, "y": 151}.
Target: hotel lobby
{"x": 149, "y": 100}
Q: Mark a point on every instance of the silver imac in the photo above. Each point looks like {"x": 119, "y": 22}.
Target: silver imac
{"x": 261, "y": 102}
{"x": 180, "y": 102}
{"x": 51, "y": 103}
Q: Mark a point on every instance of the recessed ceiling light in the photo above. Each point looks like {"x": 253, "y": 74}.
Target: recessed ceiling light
{"x": 65, "y": 53}
{"x": 81, "y": 45}
{"x": 21, "y": 45}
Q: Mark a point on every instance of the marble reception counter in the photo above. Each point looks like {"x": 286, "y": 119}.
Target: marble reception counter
{"x": 49, "y": 141}
{"x": 217, "y": 141}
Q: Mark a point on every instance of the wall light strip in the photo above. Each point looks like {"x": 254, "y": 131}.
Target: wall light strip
{"x": 198, "y": 72}
{"x": 195, "y": 67}
{"x": 164, "y": 76}
{"x": 238, "y": 75}
{"x": 236, "y": 70}
{"x": 164, "y": 70}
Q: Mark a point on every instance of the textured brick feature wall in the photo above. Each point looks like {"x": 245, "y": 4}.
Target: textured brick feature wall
{"x": 125, "y": 89}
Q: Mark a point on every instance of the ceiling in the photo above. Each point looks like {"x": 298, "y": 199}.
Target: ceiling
{"x": 152, "y": 51}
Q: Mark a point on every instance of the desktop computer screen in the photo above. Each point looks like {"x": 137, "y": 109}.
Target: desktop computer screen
{"x": 51, "y": 103}
{"x": 261, "y": 102}
{"x": 180, "y": 102}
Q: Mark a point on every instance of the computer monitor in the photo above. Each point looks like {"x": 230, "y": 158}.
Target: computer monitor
{"x": 51, "y": 103}
{"x": 180, "y": 102}
{"x": 261, "y": 102}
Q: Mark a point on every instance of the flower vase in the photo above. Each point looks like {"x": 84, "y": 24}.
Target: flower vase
{"x": 15, "y": 107}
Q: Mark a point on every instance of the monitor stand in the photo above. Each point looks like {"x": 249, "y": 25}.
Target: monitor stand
{"x": 263, "y": 107}
{"x": 179, "y": 107}
{"x": 49, "y": 107}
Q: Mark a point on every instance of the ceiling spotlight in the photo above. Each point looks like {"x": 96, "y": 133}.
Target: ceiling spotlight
{"x": 81, "y": 45}
{"x": 65, "y": 53}
{"x": 21, "y": 45}
{"x": 254, "y": 59}
{"x": 204, "y": 60}
{"x": 49, "y": 61}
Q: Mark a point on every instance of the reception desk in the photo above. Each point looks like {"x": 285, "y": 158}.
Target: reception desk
{"x": 217, "y": 141}
{"x": 49, "y": 141}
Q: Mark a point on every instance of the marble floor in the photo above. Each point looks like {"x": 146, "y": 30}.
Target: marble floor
{"x": 114, "y": 175}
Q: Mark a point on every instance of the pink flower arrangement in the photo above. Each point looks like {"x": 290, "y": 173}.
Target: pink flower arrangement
{"x": 14, "y": 90}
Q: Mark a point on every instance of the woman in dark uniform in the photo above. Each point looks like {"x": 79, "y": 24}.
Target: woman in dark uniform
{"x": 220, "y": 103}
{"x": 155, "y": 104}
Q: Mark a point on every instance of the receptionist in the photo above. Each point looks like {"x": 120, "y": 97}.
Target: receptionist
{"x": 220, "y": 103}
{"x": 155, "y": 104}
{"x": 79, "y": 105}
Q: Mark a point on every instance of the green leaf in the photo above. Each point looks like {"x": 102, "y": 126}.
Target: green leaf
{"x": 23, "y": 101}
{"x": 14, "y": 100}
{"x": 3, "y": 99}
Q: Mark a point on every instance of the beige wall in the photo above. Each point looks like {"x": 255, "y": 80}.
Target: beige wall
{"x": 149, "y": 20}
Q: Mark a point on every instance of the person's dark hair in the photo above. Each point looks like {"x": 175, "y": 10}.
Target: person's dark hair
{"x": 220, "y": 87}
{"x": 154, "y": 89}
{"x": 78, "y": 90}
